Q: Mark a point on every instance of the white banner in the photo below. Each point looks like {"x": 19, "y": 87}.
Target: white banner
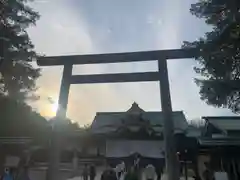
{"x": 125, "y": 148}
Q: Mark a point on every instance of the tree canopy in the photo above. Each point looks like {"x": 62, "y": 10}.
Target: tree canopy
{"x": 219, "y": 58}
{"x": 66, "y": 124}
{"x": 17, "y": 76}
{"x": 19, "y": 120}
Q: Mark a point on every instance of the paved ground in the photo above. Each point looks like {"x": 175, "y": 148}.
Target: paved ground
{"x": 41, "y": 175}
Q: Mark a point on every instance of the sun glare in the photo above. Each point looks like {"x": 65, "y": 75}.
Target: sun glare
{"x": 54, "y": 107}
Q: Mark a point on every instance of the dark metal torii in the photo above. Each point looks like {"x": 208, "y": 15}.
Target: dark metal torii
{"x": 161, "y": 75}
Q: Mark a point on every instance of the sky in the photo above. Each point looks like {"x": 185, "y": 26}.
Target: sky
{"x": 92, "y": 26}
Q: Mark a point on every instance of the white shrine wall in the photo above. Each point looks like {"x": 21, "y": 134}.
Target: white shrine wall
{"x": 124, "y": 148}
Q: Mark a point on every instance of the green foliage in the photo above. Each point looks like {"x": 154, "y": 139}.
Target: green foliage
{"x": 65, "y": 125}
{"x": 17, "y": 76}
{"x": 19, "y": 120}
{"x": 219, "y": 59}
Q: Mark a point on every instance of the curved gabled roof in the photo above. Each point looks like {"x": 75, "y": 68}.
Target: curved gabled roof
{"x": 105, "y": 122}
{"x": 225, "y": 123}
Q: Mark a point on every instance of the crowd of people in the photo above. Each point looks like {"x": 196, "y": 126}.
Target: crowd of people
{"x": 13, "y": 174}
{"x": 89, "y": 173}
{"x": 121, "y": 172}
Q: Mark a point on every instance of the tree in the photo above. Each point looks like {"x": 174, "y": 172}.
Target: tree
{"x": 19, "y": 120}
{"x": 66, "y": 124}
{"x": 17, "y": 76}
{"x": 219, "y": 57}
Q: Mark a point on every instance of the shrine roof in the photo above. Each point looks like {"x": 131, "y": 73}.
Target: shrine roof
{"x": 105, "y": 122}
{"x": 193, "y": 131}
{"x": 15, "y": 140}
{"x": 226, "y": 123}
{"x": 219, "y": 141}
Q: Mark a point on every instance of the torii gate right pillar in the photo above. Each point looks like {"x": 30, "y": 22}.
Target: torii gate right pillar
{"x": 172, "y": 164}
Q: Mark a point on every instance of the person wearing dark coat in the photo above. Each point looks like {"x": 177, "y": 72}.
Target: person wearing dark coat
{"x": 85, "y": 172}
{"x": 23, "y": 175}
{"x": 92, "y": 172}
{"x": 132, "y": 174}
{"x": 109, "y": 174}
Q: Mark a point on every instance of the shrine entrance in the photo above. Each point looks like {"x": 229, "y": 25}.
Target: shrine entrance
{"x": 161, "y": 75}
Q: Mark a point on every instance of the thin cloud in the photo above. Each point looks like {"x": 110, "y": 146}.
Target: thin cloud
{"x": 62, "y": 32}
{"x": 80, "y": 27}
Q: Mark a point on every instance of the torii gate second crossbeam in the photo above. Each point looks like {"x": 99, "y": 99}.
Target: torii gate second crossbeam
{"x": 161, "y": 75}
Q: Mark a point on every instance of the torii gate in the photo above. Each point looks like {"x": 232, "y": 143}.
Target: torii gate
{"x": 161, "y": 75}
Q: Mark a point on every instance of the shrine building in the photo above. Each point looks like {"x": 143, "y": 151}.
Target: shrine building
{"x": 134, "y": 136}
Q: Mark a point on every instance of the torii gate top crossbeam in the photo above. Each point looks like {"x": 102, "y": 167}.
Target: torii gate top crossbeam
{"x": 117, "y": 57}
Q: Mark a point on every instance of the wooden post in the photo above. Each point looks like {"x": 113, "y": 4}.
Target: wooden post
{"x": 196, "y": 166}
{"x": 2, "y": 158}
{"x": 55, "y": 146}
{"x": 185, "y": 169}
{"x": 64, "y": 91}
{"x": 170, "y": 149}
{"x": 75, "y": 161}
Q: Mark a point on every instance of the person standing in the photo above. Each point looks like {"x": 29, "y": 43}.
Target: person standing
{"x": 120, "y": 170}
{"x": 208, "y": 174}
{"x": 85, "y": 172}
{"x": 132, "y": 174}
{"x": 23, "y": 175}
{"x": 150, "y": 172}
{"x": 108, "y": 174}
{"x": 92, "y": 172}
{"x": 7, "y": 175}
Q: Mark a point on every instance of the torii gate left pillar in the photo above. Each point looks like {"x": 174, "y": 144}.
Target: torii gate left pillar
{"x": 55, "y": 146}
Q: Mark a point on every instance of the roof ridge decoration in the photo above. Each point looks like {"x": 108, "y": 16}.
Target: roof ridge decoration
{"x": 135, "y": 109}
{"x": 134, "y": 115}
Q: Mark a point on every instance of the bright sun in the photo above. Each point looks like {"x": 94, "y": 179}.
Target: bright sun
{"x": 54, "y": 107}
